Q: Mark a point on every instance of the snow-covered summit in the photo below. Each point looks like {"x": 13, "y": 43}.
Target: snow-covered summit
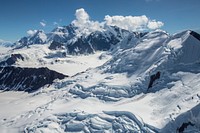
{"x": 5, "y": 43}
{"x": 37, "y": 37}
{"x": 78, "y": 42}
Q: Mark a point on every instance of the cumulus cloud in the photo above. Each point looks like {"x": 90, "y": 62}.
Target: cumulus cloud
{"x": 82, "y": 18}
{"x": 42, "y": 23}
{"x": 31, "y": 32}
{"x": 82, "y": 15}
{"x": 131, "y": 23}
{"x": 155, "y": 24}
{"x": 83, "y": 22}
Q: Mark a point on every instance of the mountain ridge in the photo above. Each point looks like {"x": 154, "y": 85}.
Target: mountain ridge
{"x": 67, "y": 36}
{"x": 145, "y": 82}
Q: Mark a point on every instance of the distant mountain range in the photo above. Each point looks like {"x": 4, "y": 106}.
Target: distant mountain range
{"x": 78, "y": 43}
{"x": 6, "y": 43}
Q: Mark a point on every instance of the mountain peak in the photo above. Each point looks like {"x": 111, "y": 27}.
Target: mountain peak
{"x": 5, "y": 43}
{"x": 195, "y": 34}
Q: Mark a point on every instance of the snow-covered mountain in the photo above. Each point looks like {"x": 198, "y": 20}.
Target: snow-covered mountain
{"x": 6, "y": 43}
{"x": 127, "y": 82}
{"x": 77, "y": 42}
{"x": 39, "y": 37}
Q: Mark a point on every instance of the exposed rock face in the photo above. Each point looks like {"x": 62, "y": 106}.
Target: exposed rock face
{"x": 66, "y": 37}
{"x": 101, "y": 42}
{"x": 80, "y": 47}
{"x": 56, "y": 45}
{"x": 26, "y": 79}
{"x": 183, "y": 126}
{"x": 97, "y": 41}
{"x": 12, "y": 59}
{"x": 39, "y": 37}
{"x": 153, "y": 78}
{"x": 196, "y": 35}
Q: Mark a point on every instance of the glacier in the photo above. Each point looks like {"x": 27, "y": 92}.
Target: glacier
{"x": 107, "y": 90}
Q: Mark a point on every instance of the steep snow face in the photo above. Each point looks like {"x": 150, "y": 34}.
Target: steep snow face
{"x": 145, "y": 52}
{"x": 185, "y": 48}
{"x": 132, "y": 71}
{"x": 128, "y": 42}
{"x": 187, "y": 122}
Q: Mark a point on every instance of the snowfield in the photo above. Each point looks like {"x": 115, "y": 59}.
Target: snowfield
{"x": 109, "y": 91}
{"x": 41, "y": 56}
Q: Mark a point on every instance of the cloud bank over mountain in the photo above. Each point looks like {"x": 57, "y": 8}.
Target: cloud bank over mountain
{"x": 131, "y": 23}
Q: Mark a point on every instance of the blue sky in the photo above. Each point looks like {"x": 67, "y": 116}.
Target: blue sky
{"x": 19, "y": 16}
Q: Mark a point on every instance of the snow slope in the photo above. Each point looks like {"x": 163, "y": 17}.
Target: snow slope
{"x": 113, "y": 96}
{"x": 41, "y": 56}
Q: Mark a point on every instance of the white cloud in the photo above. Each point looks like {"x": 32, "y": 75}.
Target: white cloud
{"x": 155, "y": 24}
{"x": 84, "y": 24}
{"x": 82, "y": 15}
{"x": 131, "y": 23}
{"x": 31, "y": 32}
{"x": 42, "y": 23}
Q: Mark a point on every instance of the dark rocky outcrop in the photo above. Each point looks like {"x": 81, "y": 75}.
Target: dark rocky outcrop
{"x": 196, "y": 35}
{"x": 39, "y": 37}
{"x": 12, "y": 59}
{"x": 153, "y": 78}
{"x": 183, "y": 126}
{"x": 97, "y": 41}
{"x": 100, "y": 42}
{"x": 26, "y": 79}
{"x": 56, "y": 45}
{"x": 75, "y": 43}
{"x": 81, "y": 46}
{"x": 94, "y": 42}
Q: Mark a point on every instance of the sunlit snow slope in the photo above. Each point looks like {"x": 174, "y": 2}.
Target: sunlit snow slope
{"x": 147, "y": 84}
